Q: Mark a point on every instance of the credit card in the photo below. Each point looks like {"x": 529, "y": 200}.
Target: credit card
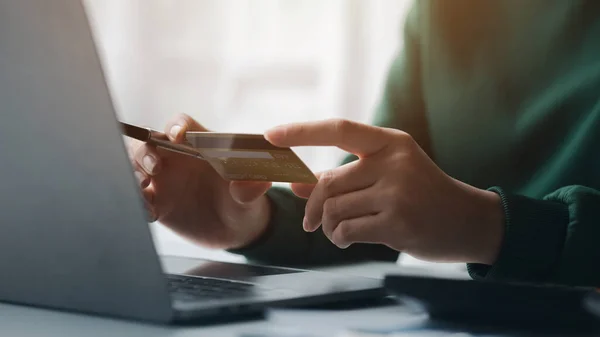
{"x": 249, "y": 157}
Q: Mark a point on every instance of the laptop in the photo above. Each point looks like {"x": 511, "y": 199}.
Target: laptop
{"x": 74, "y": 232}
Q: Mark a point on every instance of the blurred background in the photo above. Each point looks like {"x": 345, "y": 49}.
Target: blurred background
{"x": 246, "y": 65}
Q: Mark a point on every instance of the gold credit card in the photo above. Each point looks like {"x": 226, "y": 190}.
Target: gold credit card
{"x": 234, "y": 156}
{"x": 249, "y": 157}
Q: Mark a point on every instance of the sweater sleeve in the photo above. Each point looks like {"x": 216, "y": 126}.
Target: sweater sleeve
{"x": 285, "y": 242}
{"x": 552, "y": 240}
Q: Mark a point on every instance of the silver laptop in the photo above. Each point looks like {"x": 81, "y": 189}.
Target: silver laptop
{"x": 74, "y": 235}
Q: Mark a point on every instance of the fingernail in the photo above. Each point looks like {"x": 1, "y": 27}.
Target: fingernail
{"x": 305, "y": 224}
{"x": 175, "y": 131}
{"x": 149, "y": 163}
{"x": 273, "y": 133}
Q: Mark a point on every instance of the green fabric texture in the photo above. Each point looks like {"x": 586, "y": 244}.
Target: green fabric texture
{"x": 503, "y": 95}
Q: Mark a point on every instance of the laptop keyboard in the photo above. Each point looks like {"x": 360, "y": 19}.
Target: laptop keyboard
{"x": 185, "y": 288}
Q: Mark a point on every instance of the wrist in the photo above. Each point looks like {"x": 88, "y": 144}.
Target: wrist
{"x": 482, "y": 225}
{"x": 490, "y": 227}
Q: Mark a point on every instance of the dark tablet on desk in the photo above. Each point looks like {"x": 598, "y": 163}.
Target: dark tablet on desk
{"x": 487, "y": 302}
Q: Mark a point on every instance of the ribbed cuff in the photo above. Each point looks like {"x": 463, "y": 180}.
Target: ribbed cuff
{"x": 533, "y": 239}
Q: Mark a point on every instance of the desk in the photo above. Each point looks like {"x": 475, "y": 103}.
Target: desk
{"x": 32, "y": 322}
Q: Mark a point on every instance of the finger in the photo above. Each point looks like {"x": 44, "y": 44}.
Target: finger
{"x": 366, "y": 229}
{"x": 304, "y": 190}
{"x": 344, "y": 179}
{"x": 183, "y": 123}
{"x": 132, "y": 145}
{"x": 248, "y": 191}
{"x": 148, "y": 159}
{"x": 151, "y": 210}
{"x": 357, "y": 138}
{"x": 348, "y": 206}
{"x": 142, "y": 178}
{"x": 148, "y": 195}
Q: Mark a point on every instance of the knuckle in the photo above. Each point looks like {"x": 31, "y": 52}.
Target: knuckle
{"x": 327, "y": 179}
{"x": 183, "y": 120}
{"x": 396, "y": 162}
{"x": 400, "y": 137}
{"x": 188, "y": 123}
{"x": 340, "y": 124}
{"x": 345, "y": 234}
{"x": 404, "y": 138}
{"x": 341, "y": 127}
{"x": 183, "y": 117}
{"x": 187, "y": 120}
{"x": 330, "y": 209}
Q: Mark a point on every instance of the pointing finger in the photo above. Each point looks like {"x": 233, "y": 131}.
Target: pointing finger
{"x": 357, "y": 138}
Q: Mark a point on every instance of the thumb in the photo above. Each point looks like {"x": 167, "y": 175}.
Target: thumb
{"x": 246, "y": 192}
{"x": 183, "y": 123}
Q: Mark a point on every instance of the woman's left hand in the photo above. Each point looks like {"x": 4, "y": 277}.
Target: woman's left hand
{"x": 395, "y": 195}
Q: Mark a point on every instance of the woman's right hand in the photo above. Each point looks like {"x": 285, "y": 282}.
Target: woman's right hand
{"x": 188, "y": 196}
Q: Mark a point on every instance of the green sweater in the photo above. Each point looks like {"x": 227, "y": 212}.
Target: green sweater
{"x": 503, "y": 95}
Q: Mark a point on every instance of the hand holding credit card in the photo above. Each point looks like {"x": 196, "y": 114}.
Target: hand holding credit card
{"x": 242, "y": 157}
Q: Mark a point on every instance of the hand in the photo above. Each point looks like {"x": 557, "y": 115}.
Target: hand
{"x": 188, "y": 196}
{"x": 394, "y": 195}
